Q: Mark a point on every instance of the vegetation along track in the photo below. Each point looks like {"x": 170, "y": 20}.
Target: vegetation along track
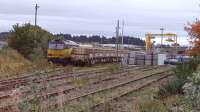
{"x": 37, "y": 78}
{"x": 67, "y": 85}
{"x": 122, "y": 81}
{"x": 39, "y": 74}
{"x": 110, "y": 93}
{"x": 139, "y": 84}
{"x": 117, "y": 83}
{"x": 95, "y": 80}
{"x": 26, "y": 80}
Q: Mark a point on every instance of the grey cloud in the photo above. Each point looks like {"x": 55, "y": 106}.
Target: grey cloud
{"x": 99, "y": 16}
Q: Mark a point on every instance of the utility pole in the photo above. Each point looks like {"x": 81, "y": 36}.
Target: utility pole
{"x": 36, "y": 11}
{"x": 162, "y": 32}
{"x": 123, "y": 32}
{"x": 117, "y": 37}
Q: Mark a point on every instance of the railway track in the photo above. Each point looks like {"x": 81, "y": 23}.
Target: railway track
{"x": 91, "y": 83}
{"x": 70, "y": 87}
{"x": 133, "y": 80}
{"x": 97, "y": 105}
{"x": 116, "y": 91}
{"x": 115, "y": 85}
{"x": 40, "y": 74}
{"x": 28, "y": 75}
{"x": 106, "y": 79}
{"x": 13, "y": 83}
{"x": 24, "y": 81}
{"x": 90, "y": 74}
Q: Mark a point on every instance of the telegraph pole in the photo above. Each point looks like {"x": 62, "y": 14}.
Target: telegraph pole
{"x": 117, "y": 37}
{"x": 36, "y": 11}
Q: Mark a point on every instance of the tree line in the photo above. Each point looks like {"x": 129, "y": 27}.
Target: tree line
{"x": 102, "y": 39}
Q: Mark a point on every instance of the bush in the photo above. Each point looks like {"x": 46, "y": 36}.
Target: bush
{"x": 192, "y": 90}
{"x": 185, "y": 70}
{"x": 182, "y": 72}
{"x": 29, "y": 40}
{"x": 171, "y": 88}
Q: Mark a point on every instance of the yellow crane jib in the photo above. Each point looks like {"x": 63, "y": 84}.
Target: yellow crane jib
{"x": 149, "y": 37}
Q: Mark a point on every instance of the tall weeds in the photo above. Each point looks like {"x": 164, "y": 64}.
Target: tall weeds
{"x": 182, "y": 72}
{"x": 11, "y": 62}
{"x": 185, "y": 70}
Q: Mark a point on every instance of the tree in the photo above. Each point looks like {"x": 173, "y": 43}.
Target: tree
{"x": 194, "y": 33}
{"x": 31, "y": 41}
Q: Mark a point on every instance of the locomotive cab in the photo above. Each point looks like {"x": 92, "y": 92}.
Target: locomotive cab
{"x": 59, "y": 51}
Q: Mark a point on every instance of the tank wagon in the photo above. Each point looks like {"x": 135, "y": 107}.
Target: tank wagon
{"x": 69, "y": 52}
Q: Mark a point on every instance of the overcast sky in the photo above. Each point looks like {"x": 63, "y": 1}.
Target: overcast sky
{"x": 100, "y": 16}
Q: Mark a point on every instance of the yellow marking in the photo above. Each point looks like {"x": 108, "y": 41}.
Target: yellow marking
{"x": 65, "y": 53}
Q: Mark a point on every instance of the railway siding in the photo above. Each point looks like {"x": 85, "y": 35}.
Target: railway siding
{"x": 74, "y": 96}
{"x": 100, "y": 82}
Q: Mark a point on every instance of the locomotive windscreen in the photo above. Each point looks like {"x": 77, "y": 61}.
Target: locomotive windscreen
{"x": 56, "y": 45}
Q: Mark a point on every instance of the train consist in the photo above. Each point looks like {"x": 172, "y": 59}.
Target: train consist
{"x": 69, "y": 52}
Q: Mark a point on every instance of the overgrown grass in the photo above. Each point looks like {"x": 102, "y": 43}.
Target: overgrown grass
{"x": 114, "y": 68}
{"x": 185, "y": 70}
{"x": 151, "y": 106}
{"x": 79, "y": 81}
{"x": 36, "y": 104}
{"x": 12, "y": 62}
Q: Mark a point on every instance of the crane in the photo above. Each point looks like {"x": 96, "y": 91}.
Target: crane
{"x": 149, "y": 36}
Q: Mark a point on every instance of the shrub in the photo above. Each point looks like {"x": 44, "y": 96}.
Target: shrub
{"x": 182, "y": 72}
{"x": 192, "y": 90}
{"x": 171, "y": 88}
{"x": 29, "y": 40}
{"x": 185, "y": 70}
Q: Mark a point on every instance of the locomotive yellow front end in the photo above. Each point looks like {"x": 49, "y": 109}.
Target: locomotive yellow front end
{"x": 59, "y": 52}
